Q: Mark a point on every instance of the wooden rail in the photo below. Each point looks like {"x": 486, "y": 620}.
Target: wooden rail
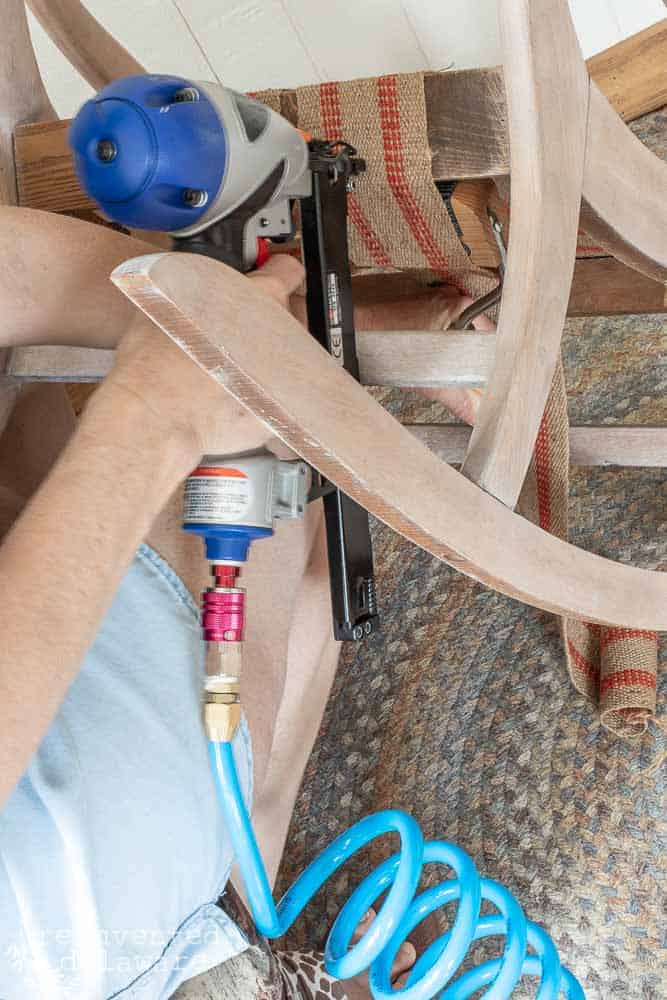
{"x": 406, "y": 365}
{"x": 638, "y": 447}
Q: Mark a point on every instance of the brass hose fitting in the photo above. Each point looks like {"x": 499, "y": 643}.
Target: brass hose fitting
{"x": 222, "y": 711}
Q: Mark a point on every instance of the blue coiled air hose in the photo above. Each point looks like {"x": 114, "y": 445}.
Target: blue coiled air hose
{"x": 402, "y": 909}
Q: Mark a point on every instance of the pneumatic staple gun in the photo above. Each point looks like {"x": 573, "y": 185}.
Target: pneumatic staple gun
{"x": 220, "y": 172}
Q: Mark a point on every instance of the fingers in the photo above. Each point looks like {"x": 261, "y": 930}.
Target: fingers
{"x": 363, "y": 925}
{"x": 482, "y": 322}
{"x": 402, "y": 981}
{"x": 405, "y": 959}
{"x": 463, "y": 403}
{"x": 279, "y": 277}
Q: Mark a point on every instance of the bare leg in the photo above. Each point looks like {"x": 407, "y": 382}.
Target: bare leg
{"x": 39, "y": 421}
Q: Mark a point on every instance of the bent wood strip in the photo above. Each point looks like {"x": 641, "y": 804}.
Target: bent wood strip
{"x": 23, "y": 97}
{"x": 317, "y": 409}
{"x": 547, "y": 101}
{"x": 638, "y": 447}
{"x": 88, "y": 46}
{"x": 624, "y": 192}
{"x": 411, "y": 359}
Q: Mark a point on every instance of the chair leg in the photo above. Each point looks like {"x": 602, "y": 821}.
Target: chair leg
{"x": 95, "y": 53}
{"x": 23, "y": 97}
{"x": 624, "y": 206}
{"x": 547, "y": 102}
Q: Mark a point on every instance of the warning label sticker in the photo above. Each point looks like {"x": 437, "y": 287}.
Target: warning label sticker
{"x": 217, "y": 496}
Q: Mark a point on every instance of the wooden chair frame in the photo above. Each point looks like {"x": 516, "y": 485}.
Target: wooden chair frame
{"x": 564, "y": 146}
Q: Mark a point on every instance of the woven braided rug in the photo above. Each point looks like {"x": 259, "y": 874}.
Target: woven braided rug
{"x": 461, "y": 711}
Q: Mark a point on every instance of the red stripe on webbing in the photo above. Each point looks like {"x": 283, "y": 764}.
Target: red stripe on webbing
{"x": 610, "y": 635}
{"x": 332, "y": 125}
{"x": 332, "y": 119}
{"x": 392, "y": 141}
{"x": 367, "y": 233}
{"x": 543, "y": 475}
{"x": 581, "y": 663}
{"x": 592, "y": 247}
{"x": 628, "y": 678}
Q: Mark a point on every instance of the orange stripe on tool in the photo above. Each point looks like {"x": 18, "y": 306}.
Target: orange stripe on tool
{"x": 395, "y": 168}
{"x": 217, "y": 470}
{"x": 332, "y": 125}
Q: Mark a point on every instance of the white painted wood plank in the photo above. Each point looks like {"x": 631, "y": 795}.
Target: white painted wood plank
{"x": 262, "y": 43}
{"x": 252, "y": 44}
{"x": 596, "y": 24}
{"x": 154, "y": 32}
{"x": 460, "y": 33}
{"x": 349, "y": 38}
{"x": 635, "y": 15}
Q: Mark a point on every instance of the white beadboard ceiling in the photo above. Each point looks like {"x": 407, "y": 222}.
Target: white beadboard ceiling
{"x": 250, "y": 44}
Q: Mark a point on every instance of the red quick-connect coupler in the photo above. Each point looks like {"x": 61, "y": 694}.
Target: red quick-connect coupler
{"x": 223, "y": 607}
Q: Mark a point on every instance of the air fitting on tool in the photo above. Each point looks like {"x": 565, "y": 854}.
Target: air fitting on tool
{"x": 223, "y": 626}
{"x": 231, "y": 502}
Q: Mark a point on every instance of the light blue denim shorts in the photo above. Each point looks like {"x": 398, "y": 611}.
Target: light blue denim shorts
{"x": 112, "y": 849}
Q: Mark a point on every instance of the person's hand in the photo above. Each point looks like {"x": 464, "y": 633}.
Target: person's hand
{"x": 190, "y": 405}
{"x": 185, "y": 400}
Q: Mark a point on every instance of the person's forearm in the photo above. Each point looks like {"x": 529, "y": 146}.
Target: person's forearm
{"x": 63, "y": 560}
{"x": 54, "y": 280}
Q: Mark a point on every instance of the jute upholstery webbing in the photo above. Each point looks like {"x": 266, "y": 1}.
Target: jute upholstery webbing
{"x": 615, "y": 667}
{"x": 397, "y": 216}
{"x": 399, "y": 220}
